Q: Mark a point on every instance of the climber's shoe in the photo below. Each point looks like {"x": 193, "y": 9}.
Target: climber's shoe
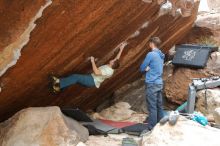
{"x": 164, "y": 120}
{"x": 55, "y": 80}
{"x": 174, "y": 116}
{"x": 56, "y": 89}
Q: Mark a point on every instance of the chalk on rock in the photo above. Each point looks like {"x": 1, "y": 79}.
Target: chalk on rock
{"x": 147, "y": 1}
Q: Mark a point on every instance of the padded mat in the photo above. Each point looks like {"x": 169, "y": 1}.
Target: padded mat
{"x": 76, "y": 114}
{"x": 188, "y": 56}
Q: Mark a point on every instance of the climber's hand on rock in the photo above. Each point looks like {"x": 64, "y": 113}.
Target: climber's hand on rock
{"x": 92, "y": 59}
{"x": 122, "y": 46}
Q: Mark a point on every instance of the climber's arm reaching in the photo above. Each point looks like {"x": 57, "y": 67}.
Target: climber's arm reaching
{"x": 121, "y": 48}
{"x": 94, "y": 67}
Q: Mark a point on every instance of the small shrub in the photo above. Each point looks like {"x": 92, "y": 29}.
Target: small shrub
{"x": 209, "y": 41}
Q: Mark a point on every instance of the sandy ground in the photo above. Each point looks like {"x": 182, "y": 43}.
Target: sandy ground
{"x": 110, "y": 140}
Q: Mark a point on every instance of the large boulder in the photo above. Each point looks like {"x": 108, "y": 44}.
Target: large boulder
{"x": 46, "y": 37}
{"x": 210, "y": 19}
{"x": 217, "y": 115}
{"x": 184, "y": 133}
{"x": 207, "y": 26}
{"x": 177, "y": 80}
{"x": 213, "y": 101}
{"x": 41, "y": 127}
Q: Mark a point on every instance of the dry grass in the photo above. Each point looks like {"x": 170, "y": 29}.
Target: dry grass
{"x": 209, "y": 41}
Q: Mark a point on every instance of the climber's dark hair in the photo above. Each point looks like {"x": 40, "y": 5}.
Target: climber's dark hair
{"x": 116, "y": 64}
{"x": 156, "y": 41}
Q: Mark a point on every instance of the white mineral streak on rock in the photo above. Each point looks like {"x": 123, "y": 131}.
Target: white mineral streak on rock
{"x": 145, "y": 25}
{"x": 16, "y": 47}
{"x": 147, "y": 1}
{"x": 135, "y": 34}
{"x": 165, "y": 8}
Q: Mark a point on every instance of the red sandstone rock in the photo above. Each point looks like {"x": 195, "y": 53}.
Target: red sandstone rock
{"x": 66, "y": 34}
{"x": 177, "y": 80}
{"x": 41, "y": 126}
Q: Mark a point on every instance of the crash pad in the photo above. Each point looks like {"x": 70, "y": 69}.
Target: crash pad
{"x": 117, "y": 124}
{"x": 136, "y": 129}
{"x": 191, "y": 56}
{"x": 76, "y": 114}
{"x": 97, "y": 127}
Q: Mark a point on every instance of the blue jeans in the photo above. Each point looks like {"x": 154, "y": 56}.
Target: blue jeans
{"x": 84, "y": 80}
{"x": 154, "y": 104}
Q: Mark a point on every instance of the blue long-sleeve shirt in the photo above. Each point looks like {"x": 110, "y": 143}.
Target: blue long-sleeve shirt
{"x": 154, "y": 60}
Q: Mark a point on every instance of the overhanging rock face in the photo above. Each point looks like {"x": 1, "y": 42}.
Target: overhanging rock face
{"x": 40, "y": 37}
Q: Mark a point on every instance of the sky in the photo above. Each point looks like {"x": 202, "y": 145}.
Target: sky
{"x": 203, "y": 6}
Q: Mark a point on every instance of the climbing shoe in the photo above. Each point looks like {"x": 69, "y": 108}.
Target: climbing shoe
{"x": 164, "y": 120}
{"x": 172, "y": 118}
{"x": 55, "y": 80}
{"x": 56, "y": 89}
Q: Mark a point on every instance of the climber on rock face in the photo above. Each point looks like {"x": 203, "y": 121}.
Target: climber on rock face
{"x": 94, "y": 79}
{"x": 152, "y": 67}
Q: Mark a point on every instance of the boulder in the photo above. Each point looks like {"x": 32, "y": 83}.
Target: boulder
{"x": 217, "y": 115}
{"x": 82, "y": 29}
{"x": 41, "y": 127}
{"x": 184, "y": 133}
{"x": 134, "y": 94}
{"x": 119, "y": 112}
{"x": 112, "y": 139}
{"x": 210, "y": 19}
{"x": 213, "y": 4}
{"x": 177, "y": 80}
{"x": 207, "y": 26}
{"x": 213, "y": 101}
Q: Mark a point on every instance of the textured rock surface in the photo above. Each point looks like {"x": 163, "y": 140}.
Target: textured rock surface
{"x": 66, "y": 34}
{"x": 184, "y": 133}
{"x": 112, "y": 140}
{"x": 213, "y": 4}
{"x": 41, "y": 126}
{"x": 120, "y": 112}
{"x": 211, "y": 21}
{"x": 217, "y": 115}
{"x": 134, "y": 94}
{"x": 207, "y": 25}
{"x": 177, "y": 80}
{"x": 213, "y": 101}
